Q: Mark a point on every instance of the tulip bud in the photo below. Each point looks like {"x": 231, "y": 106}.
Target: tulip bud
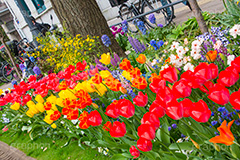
{"x": 195, "y": 143}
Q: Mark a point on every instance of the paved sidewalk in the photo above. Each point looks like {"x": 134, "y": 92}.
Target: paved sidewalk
{"x": 10, "y": 153}
{"x": 183, "y": 13}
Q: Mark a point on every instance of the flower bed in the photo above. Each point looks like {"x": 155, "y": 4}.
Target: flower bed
{"x": 165, "y": 101}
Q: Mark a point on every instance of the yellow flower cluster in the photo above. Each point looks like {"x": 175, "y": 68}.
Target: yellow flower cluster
{"x": 60, "y": 53}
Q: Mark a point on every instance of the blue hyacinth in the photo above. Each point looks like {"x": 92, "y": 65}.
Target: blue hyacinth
{"x": 106, "y": 40}
{"x": 141, "y": 27}
{"x": 125, "y": 26}
{"x": 36, "y": 70}
{"x": 152, "y": 18}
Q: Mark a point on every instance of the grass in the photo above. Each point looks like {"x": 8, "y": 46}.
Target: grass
{"x": 44, "y": 148}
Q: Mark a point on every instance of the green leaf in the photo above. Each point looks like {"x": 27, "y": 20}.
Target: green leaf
{"x": 164, "y": 134}
{"x": 183, "y": 146}
{"x": 118, "y": 157}
{"x": 235, "y": 151}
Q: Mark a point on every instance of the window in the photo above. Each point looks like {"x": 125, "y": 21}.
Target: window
{"x": 10, "y": 26}
{"x": 25, "y": 7}
{"x": 39, "y": 5}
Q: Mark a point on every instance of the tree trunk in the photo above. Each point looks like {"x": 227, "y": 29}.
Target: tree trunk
{"x": 197, "y": 13}
{"x": 10, "y": 56}
{"x": 84, "y": 17}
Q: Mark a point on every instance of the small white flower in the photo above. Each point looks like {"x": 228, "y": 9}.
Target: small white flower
{"x": 217, "y": 45}
{"x": 127, "y": 52}
{"x": 195, "y": 51}
{"x": 178, "y": 63}
{"x": 172, "y": 58}
{"x": 174, "y": 45}
{"x": 197, "y": 56}
{"x": 181, "y": 52}
{"x": 235, "y": 30}
{"x": 230, "y": 59}
{"x": 196, "y": 45}
{"x": 186, "y": 59}
{"x": 185, "y": 41}
{"x": 188, "y": 66}
{"x": 154, "y": 62}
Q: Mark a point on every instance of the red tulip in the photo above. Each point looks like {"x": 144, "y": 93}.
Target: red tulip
{"x": 134, "y": 152}
{"x": 152, "y": 119}
{"x": 146, "y": 131}
{"x": 228, "y": 78}
{"x": 141, "y": 100}
{"x": 214, "y": 70}
{"x": 112, "y": 110}
{"x": 126, "y": 108}
{"x": 236, "y": 63}
{"x": 81, "y": 66}
{"x": 165, "y": 95}
{"x": 170, "y": 74}
{"x": 219, "y": 94}
{"x": 235, "y": 100}
{"x": 200, "y": 111}
{"x": 187, "y": 105}
{"x": 181, "y": 89}
{"x": 144, "y": 145}
{"x": 192, "y": 80}
{"x": 97, "y": 78}
{"x": 174, "y": 110}
{"x": 206, "y": 86}
{"x": 157, "y": 85}
{"x": 203, "y": 71}
{"x": 118, "y": 129}
{"x": 3, "y": 102}
{"x": 94, "y": 118}
{"x": 158, "y": 108}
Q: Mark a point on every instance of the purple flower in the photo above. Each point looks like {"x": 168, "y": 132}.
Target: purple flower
{"x": 116, "y": 58}
{"x": 36, "y": 70}
{"x": 152, "y": 18}
{"x": 106, "y": 40}
{"x": 160, "y": 25}
{"x": 141, "y": 27}
{"x": 174, "y": 126}
{"x": 169, "y": 128}
{"x": 101, "y": 67}
{"x": 113, "y": 62}
{"x": 22, "y": 66}
{"x": 50, "y": 71}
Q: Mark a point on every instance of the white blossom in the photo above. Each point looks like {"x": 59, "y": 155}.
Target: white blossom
{"x": 235, "y": 30}
{"x": 174, "y": 45}
{"x": 230, "y": 59}
{"x": 188, "y": 66}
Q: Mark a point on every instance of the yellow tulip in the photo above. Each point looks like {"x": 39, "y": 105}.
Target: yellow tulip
{"x": 49, "y": 112}
{"x": 59, "y": 102}
{"x": 33, "y": 109}
{"x": 66, "y": 94}
{"x": 29, "y": 114}
{"x": 1, "y": 91}
{"x": 105, "y": 58}
{"x": 126, "y": 75}
{"x": 30, "y": 103}
{"x": 52, "y": 99}
{"x": 54, "y": 125}
{"x": 39, "y": 99}
{"x": 47, "y": 120}
{"x": 54, "y": 107}
{"x": 15, "y": 106}
{"x": 40, "y": 107}
{"x": 105, "y": 74}
{"x": 95, "y": 105}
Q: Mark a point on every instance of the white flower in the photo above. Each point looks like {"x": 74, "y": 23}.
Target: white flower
{"x": 172, "y": 58}
{"x": 174, "y": 45}
{"x": 196, "y": 45}
{"x": 217, "y": 45}
{"x": 235, "y": 30}
{"x": 195, "y": 51}
{"x": 185, "y": 41}
{"x": 154, "y": 62}
{"x": 197, "y": 56}
{"x": 178, "y": 63}
{"x": 186, "y": 59}
{"x": 230, "y": 59}
{"x": 186, "y": 49}
{"x": 180, "y": 51}
{"x": 127, "y": 52}
{"x": 188, "y": 66}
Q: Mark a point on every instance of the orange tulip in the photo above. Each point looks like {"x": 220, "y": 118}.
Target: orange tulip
{"x": 63, "y": 85}
{"x": 97, "y": 78}
{"x": 83, "y": 120}
{"x": 226, "y": 137}
{"x": 139, "y": 83}
{"x": 107, "y": 126}
{"x": 135, "y": 72}
{"x": 125, "y": 64}
{"x": 154, "y": 76}
{"x": 141, "y": 58}
{"x": 211, "y": 56}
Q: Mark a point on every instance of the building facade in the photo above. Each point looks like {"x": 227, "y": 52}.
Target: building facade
{"x": 16, "y": 26}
